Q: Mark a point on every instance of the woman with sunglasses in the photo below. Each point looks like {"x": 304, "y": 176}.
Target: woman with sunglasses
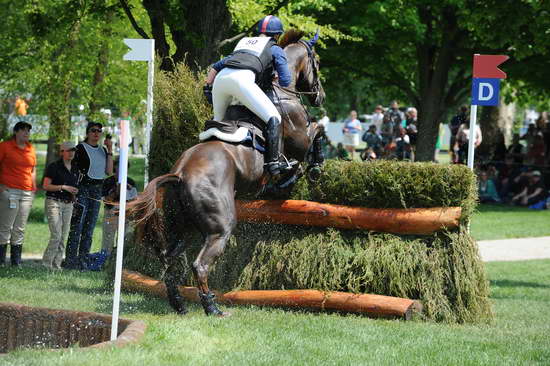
{"x": 60, "y": 181}
{"x": 94, "y": 163}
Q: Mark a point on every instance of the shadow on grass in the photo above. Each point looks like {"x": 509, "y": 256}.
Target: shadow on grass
{"x": 513, "y": 283}
{"x": 504, "y": 208}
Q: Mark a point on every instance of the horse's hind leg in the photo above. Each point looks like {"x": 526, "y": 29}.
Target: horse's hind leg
{"x": 213, "y": 248}
{"x": 217, "y": 218}
{"x": 174, "y": 297}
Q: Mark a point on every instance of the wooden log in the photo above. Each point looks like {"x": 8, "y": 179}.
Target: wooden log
{"x": 418, "y": 221}
{"x": 370, "y": 305}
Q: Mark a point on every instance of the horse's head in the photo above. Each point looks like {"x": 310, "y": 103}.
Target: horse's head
{"x": 304, "y": 64}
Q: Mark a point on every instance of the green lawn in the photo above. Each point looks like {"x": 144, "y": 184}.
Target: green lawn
{"x": 504, "y": 222}
{"x": 519, "y": 334}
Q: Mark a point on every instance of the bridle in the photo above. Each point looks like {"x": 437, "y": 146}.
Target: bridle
{"x": 314, "y": 69}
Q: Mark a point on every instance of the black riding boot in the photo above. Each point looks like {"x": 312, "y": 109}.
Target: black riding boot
{"x": 15, "y": 255}
{"x": 273, "y": 165}
{"x": 3, "y": 250}
{"x": 207, "y": 301}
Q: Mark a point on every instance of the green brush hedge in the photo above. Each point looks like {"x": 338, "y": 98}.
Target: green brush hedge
{"x": 443, "y": 270}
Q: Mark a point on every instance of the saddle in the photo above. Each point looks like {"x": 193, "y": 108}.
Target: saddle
{"x": 239, "y": 126}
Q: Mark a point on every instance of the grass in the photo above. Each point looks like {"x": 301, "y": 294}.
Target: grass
{"x": 493, "y": 222}
{"x": 520, "y": 294}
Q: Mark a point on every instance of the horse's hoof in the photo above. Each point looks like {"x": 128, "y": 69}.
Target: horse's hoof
{"x": 220, "y": 314}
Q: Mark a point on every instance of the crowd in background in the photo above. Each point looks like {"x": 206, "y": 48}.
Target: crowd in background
{"x": 75, "y": 186}
{"x": 516, "y": 173}
{"x": 391, "y": 134}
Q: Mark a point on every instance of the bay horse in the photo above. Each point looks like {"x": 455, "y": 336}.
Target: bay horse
{"x": 207, "y": 177}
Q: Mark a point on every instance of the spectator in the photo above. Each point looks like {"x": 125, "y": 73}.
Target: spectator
{"x": 506, "y": 175}
{"x": 412, "y": 117}
{"x": 487, "y": 191}
{"x": 462, "y": 139}
{"x": 516, "y": 150}
{"x": 541, "y": 122}
{"x": 21, "y": 106}
{"x": 324, "y": 120}
{"x": 93, "y": 163}
{"x": 342, "y": 153}
{"x": 374, "y": 144}
{"x": 17, "y": 187}
{"x": 396, "y": 116}
{"x": 378, "y": 117}
{"x": 111, "y": 194}
{"x": 352, "y": 128}
{"x": 529, "y": 136}
{"x": 386, "y": 131}
{"x": 60, "y": 181}
{"x": 403, "y": 145}
{"x": 454, "y": 125}
{"x": 533, "y": 193}
{"x": 535, "y": 155}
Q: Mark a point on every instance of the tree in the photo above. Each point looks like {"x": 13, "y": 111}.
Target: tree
{"x": 425, "y": 48}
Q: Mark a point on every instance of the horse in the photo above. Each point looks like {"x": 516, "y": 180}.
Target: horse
{"x": 207, "y": 177}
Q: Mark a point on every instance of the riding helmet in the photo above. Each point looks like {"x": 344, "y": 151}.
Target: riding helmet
{"x": 270, "y": 25}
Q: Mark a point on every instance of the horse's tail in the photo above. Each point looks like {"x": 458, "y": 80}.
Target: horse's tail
{"x": 145, "y": 212}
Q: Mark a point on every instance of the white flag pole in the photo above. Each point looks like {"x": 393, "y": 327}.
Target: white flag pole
{"x": 123, "y": 181}
{"x": 150, "y": 81}
{"x": 144, "y": 50}
{"x": 473, "y": 134}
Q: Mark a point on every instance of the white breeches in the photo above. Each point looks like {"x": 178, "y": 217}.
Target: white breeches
{"x": 239, "y": 84}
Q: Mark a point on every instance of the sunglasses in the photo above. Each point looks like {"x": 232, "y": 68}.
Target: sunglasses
{"x": 70, "y": 150}
{"x": 96, "y": 130}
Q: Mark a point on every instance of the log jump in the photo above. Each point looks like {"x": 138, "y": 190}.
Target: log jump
{"x": 417, "y": 221}
{"x": 377, "y": 306}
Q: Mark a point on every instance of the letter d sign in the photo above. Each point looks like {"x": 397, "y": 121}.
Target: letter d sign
{"x": 485, "y": 91}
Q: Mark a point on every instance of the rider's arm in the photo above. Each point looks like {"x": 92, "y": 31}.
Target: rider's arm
{"x": 214, "y": 70}
{"x": 281, "y": 65}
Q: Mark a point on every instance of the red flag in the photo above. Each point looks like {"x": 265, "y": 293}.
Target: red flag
{"x": 486, "y": 66}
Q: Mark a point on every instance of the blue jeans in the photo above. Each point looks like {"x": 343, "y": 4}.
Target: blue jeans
{"x": 83, "y": 220}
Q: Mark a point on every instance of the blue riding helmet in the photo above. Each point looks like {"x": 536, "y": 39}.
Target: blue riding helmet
{"x": 270, "y": 25}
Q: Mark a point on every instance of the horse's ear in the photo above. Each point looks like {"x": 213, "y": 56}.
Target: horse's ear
{"x": 314, "y": 40}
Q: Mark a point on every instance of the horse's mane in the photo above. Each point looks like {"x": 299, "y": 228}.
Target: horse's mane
{"x": 290, "y": 36}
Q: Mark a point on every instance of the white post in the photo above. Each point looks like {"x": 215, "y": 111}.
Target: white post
{"x": 122, "y": 180}
{"x": 150, "y": 81}
{"x": 472, "y": 138}
{"x": 144, "y": 50}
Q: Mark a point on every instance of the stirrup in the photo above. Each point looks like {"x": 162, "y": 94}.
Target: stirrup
{"x": 277, "y": 167}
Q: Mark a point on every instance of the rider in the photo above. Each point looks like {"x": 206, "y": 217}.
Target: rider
{"x": 246, "y": 75}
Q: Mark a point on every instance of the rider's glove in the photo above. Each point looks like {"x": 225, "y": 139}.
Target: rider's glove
{"x": 207, "y": 90}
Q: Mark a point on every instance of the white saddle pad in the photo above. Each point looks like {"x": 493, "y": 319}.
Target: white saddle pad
{"x": 238, "y": 136}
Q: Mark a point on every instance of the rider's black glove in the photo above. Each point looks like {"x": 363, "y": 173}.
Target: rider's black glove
{"x": 207, "y": 90}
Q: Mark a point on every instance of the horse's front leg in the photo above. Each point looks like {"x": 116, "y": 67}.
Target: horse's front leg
{"x": 316, "y": 157}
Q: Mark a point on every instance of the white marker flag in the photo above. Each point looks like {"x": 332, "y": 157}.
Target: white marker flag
{"x": 140, "y": 49}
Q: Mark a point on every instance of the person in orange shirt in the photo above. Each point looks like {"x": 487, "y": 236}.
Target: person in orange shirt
{"x": 21, "y": 106}
{"x": 17, "y": 187}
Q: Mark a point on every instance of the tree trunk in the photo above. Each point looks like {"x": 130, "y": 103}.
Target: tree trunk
{"x": 196, "y": 28}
